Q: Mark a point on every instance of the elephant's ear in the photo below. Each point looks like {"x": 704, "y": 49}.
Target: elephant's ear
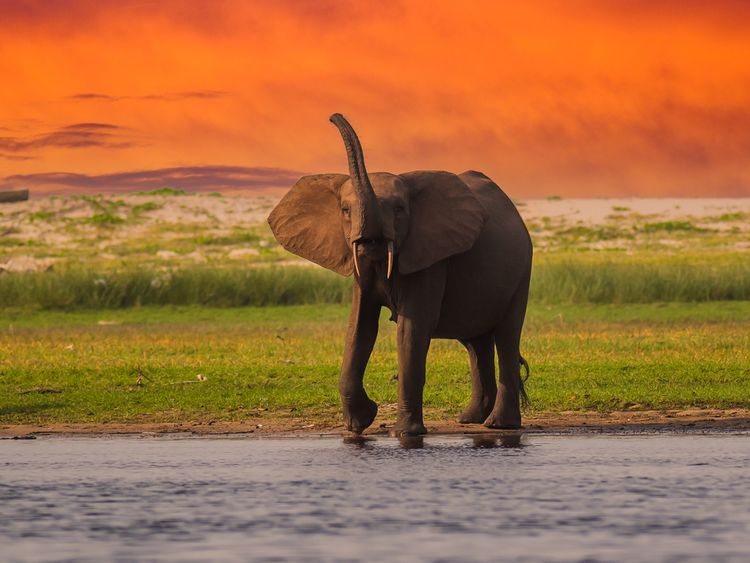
{"x": 445, "y": 218}
{"x": 307, "y": 222}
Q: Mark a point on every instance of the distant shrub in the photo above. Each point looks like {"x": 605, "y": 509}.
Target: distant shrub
{"x": 8, "y": 242}
{"x": 104, "y": 219}
{"x": 730, "y": 217}
{"x": 144, "y": 207}
{"x": 593, "y": 234}
{"x": 40, "y": 216}
{"x": 165, "y": 191}
{"x": 671, "y": 226}
{"x": 235, "y": 238}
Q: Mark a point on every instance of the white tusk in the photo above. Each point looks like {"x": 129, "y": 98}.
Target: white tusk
{"x": 354, "y": 252}
{"x": 390, "y": 259}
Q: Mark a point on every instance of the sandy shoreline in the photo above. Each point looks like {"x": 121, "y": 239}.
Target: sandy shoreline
{"x": 622, "y": 422}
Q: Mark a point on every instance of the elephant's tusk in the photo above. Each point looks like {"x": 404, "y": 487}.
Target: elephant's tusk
{"x": 354, "y": 252}
{"x": 390, "y": 259}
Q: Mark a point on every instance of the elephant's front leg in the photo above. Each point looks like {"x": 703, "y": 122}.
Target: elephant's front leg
{"x": 413, "y": 344}
{"x": 420, "y": 296}
{"x": 359, "y": 409}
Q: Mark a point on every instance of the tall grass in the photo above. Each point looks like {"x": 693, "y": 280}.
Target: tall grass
{"x": 641, "y": 278}
{"x": 82, "y": 289}
{"x": 575, "y": 278}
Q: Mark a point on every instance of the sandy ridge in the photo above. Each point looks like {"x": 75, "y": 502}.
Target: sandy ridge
{"x": 696, "y": 420}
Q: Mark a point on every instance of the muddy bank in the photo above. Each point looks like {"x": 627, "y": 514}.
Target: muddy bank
{"x": 566, "y": 422}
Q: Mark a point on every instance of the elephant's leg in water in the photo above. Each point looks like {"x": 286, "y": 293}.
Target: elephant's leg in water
{"x": 507, "y": 410}
{"x": 413, "y": 344}
{"x": 483, "y": 379}
{"x": 419, "y": 298}
{"x": 359, "y": 409}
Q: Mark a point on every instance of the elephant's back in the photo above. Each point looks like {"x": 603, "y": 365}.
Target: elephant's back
{"x": 501, "y": 211}
{"x": 481, "y": 281}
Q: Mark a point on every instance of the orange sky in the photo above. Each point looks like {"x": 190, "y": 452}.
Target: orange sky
{"x": 567, "y": 97}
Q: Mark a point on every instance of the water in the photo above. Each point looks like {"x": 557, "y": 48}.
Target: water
{"x": 536, "y": 498}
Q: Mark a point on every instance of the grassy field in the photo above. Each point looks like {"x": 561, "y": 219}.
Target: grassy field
{"x": 169, "y": 306}
{"x": 202, "y": 364}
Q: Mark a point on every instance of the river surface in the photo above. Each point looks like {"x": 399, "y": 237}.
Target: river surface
{"x": 530, "y": 498}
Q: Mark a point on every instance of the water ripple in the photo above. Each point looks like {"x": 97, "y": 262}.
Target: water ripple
{"x": 647, "y": 498}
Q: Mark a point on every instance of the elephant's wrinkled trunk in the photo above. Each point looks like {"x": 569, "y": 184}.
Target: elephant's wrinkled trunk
{"x": 366, "y": 221}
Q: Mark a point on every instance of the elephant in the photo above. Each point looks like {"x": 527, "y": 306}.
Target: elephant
{"x": 448, "y": 255}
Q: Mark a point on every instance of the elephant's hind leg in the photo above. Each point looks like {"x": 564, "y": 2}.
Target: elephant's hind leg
{"x": 483, "y": 386}
{"x": 507, "y": 410}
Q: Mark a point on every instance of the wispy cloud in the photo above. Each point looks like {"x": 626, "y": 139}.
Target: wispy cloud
{"x": 87, "y": 96}
{"x": 16, "y": 157}
{"x": 190, "y": 178}
{"x": 168, "y": 97}
{"x": 77, "y": 135}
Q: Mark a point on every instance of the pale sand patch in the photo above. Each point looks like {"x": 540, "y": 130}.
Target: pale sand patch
{"x": 63, "y": 227}
{"x": 596, "y": 211}
{"x": 236, "y": 211}
{"x": 26, "y": 264}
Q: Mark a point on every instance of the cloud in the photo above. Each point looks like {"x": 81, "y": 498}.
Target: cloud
{"x": 16, "y": 157}
{"x": 190, "y": 178}
{"x": 77, "y": 135}
{"x": 87, "y": 96}
{"x": 186, "y": 95}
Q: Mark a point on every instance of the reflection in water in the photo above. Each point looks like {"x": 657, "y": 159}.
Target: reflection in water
{"x": 358, "y": 440}
{"x": 411, "y": 442}
{"x": 406, "y": 442}
{"x": 512, "y": 440}
{"x": 498, "y": 440}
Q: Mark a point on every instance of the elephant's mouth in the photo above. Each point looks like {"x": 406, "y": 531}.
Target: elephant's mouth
{"x": 373, "y": 250}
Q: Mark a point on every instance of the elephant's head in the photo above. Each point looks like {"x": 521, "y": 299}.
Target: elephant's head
{"x": 349, "y": 223}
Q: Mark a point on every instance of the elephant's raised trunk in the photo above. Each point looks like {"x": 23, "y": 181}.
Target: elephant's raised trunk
{"x": 366, "y": 221}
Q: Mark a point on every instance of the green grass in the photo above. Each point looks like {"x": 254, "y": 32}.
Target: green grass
{"x": 218, "y": 287}
{"x": 640, "y": 278}
{"x": 557, "y": 278}
{"x": 284, "y": 361}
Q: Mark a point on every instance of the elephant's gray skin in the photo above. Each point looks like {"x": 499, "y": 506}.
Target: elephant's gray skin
{"x": 461, "y": 264}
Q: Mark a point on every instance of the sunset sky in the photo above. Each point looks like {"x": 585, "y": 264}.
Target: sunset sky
{"x": 568, "y": 97}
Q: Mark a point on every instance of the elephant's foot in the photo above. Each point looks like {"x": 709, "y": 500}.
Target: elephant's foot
{"x": 503, "y": 421}
{"x": 359, "y": 417}
{"x": 407, "y": 427}
{"x": 477, "y": 412}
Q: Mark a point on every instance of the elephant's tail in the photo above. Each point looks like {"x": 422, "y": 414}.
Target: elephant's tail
{"x": 525, "y": 401}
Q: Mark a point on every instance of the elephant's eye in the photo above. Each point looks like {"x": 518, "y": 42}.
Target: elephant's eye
{"x": 345, "y": 211}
